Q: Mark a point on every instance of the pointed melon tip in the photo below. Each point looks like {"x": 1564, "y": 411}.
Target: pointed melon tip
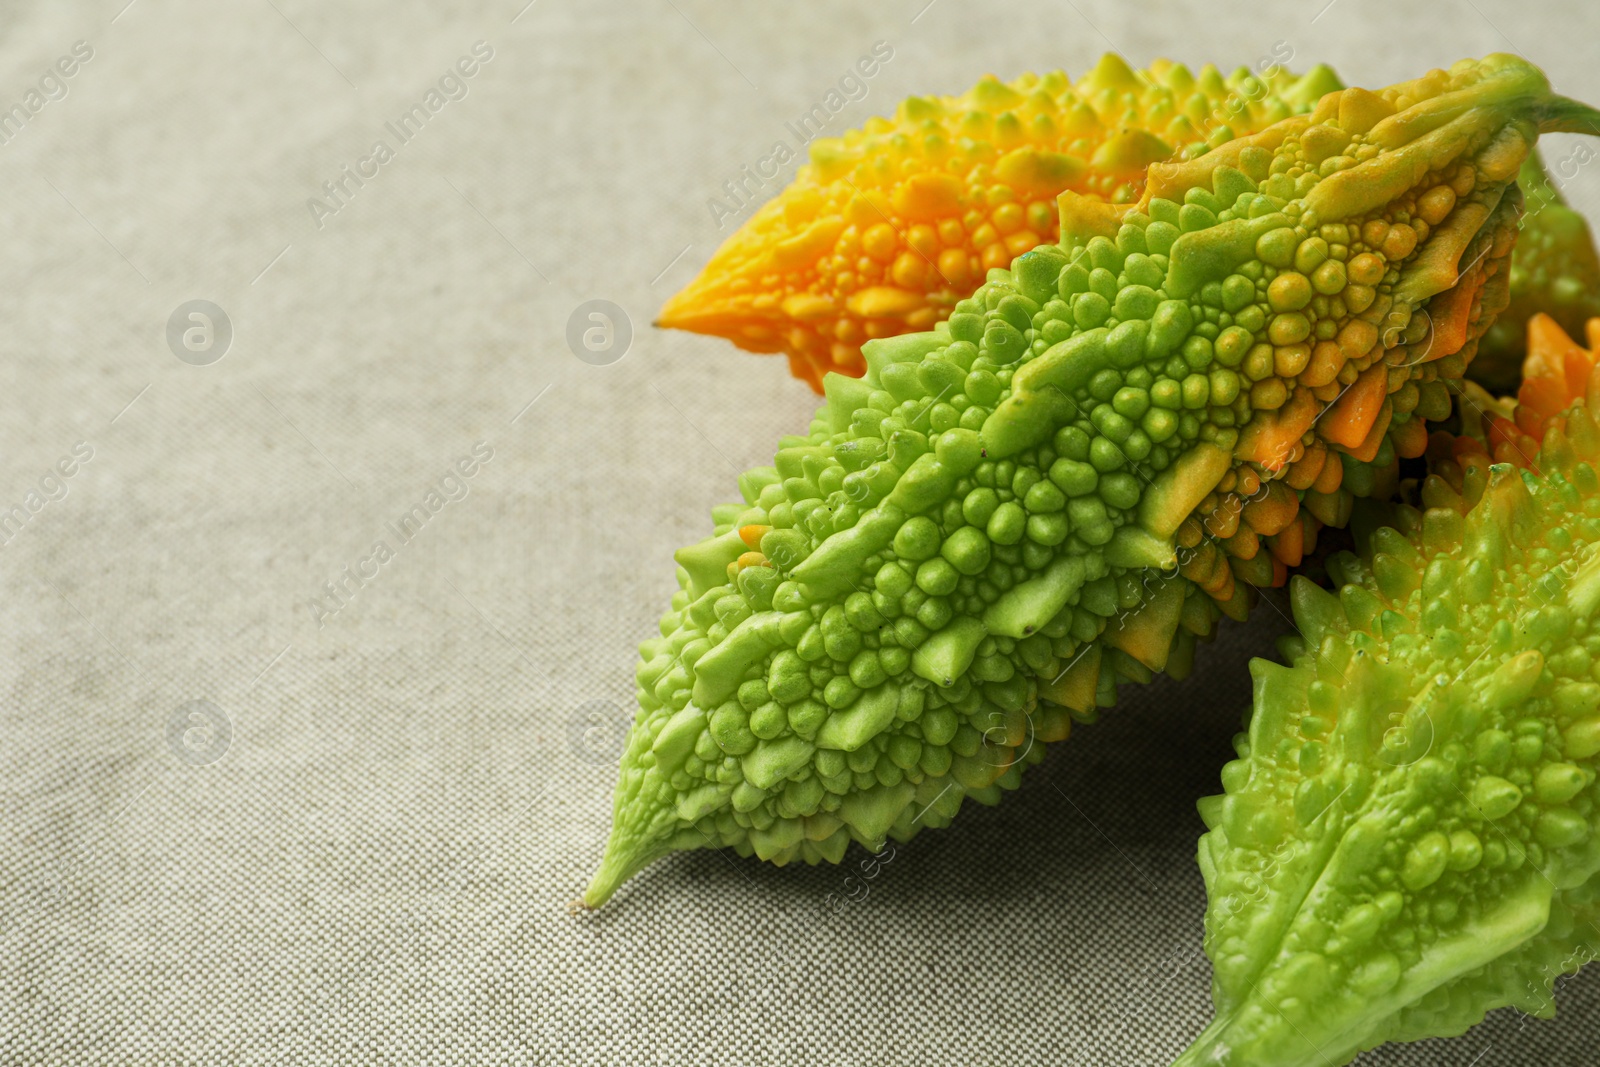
{"x": 694, "y": 307}
{"x": 694, "y": 311}
{"x": 621, "y": 862}
{"x": 676, "y": 316}
{"x": 1209, "y": 1049}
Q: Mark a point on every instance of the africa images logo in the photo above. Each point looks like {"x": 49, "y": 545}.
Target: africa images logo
{"x": 52, "y": 86}
{"x": 338, "y": 192}
{"x": 747, "y": 187}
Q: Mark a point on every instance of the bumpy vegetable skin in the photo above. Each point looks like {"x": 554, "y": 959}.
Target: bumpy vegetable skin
{"x": 1555, "y": 271}
{"x": 1067, "y": 481}
{"x": 904, "y": 609}
{"x": 1555, "y": 371}
{"x": 1408, "y": 838}
{"x": 890, "y": 225}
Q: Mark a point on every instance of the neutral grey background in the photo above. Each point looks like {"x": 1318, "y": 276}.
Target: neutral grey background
{"x": 379, "y": 866}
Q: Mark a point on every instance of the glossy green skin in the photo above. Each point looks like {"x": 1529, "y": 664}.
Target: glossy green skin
{"x": 1407, "y": 838}
{"x": 1555, "y": 270}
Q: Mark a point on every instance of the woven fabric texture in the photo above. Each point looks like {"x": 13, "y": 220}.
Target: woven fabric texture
{"x": 315, "y": 665}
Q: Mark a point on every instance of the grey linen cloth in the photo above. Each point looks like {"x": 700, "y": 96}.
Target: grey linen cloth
{"x": 320, "y": 613}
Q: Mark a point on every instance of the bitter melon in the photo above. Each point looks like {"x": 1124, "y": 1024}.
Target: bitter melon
{"x": 1408, "y": 836}
{"x": 888, "y": 226}
{"x": 1062, "y": 484}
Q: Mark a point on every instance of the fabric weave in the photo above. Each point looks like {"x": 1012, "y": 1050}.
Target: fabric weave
{"x": 362, "y": 847}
